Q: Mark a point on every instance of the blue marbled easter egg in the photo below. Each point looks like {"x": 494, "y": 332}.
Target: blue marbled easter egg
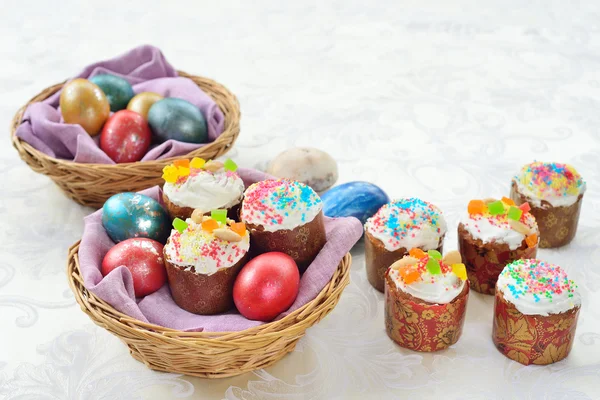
{"x": 133, "y": 215}
{"x": 117, "y": 90}
{"x": 177, "y": 119}
{"x": 354, "y": 199}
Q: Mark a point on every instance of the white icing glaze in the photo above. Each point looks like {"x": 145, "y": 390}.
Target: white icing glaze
{"x": 192, "y": 248}
{"x": 206, "y": 190}
{"x": 487, "y": 231}
{"x": 554, "y": 200}
{"x": 437, "y": 289}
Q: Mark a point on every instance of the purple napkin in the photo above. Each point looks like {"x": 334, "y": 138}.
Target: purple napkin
{"x": 160, "y": 309}
{"x": 147, "y": 70}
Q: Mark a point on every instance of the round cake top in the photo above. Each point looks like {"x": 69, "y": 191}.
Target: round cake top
{"x": 430, "y": 277}
{"x": 280, "y": 204}
{"x": 501, "y": 221}
{"x": 407, "y": 223}
{"x": 213, "y": 244}
{"x": 558, "y": 184}
{"x": 203, "y": 185}
{"x": 538, "y": 288}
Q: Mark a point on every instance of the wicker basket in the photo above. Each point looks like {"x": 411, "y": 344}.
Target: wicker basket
{"x": 92, "y": 184}
{"x": 208, "y": 354}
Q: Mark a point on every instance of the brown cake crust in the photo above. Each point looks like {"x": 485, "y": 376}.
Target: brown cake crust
{"x": 176, "y": 211}
{"x": 421, "y": 326}
{"x": 302, "y": 243}
{"x": 199, "y": 293}
{"x": 485, "y": 261}
{"x": 558, "y": 225}
{"x": 378, "y": 259}
{"x": 532, "y": 339}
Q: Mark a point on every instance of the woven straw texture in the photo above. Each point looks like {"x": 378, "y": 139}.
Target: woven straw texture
{"x": 208, "y": 354}
{"x": 92, "y": 184}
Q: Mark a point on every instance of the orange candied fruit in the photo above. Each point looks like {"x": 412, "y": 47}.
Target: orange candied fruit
{"x": 417, "y": 253}
{"x": 409, "y": 274}
{"x": 476, "y": 207}
{"x": 531, "y": 240}
{"x": 210, "y": 225}
{"x": 508, "y": 201}
{"x": 239, "y": 228}
{"x": 182, "y": 163}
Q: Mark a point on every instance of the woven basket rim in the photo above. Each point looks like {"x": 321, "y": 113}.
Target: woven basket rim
{"x": 88, "y": 301}
{"x": 23, "y": 146}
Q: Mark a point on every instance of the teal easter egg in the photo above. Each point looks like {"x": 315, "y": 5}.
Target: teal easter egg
{"x": 117, "y": 90}
{"x": 354, "y": 199}
{"x": 133, "y": 215}
{"x": 177, "y": 119}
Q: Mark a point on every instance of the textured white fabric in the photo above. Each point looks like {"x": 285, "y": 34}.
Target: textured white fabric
{"x": 442, "y": 100}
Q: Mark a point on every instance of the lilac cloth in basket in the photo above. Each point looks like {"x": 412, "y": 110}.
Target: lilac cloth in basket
{"x": 160, "y": 309}
{"x": 147, "y": 70}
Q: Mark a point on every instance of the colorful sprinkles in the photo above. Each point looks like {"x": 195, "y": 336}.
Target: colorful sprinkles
{"x": 542, "y": 280}
{"x": 550, "y": 179}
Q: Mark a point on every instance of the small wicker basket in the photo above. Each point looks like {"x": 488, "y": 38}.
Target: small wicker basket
{"x": 208, "y": 354}
{"x": 92, "y": 184}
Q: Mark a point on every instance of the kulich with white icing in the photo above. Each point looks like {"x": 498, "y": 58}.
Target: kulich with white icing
{"x": 408, "y": 223}
{"x": 501, "y": 221}
{"x": 280, "y": 204}
{"x": 538, "y": 288}
{"x": 203, "y": 247}
{"x": 556, "y": 183}
{"x": 429, "y": 277}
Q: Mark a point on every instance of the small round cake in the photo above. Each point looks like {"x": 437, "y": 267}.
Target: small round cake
{"x": 426, "y": 299}
{"x": 397, "y": 227}
{"x": 201, "y": 185}
{"x": 555, "y": 192}
{"x": 202, "y": 262}
{"x": 492, "y": 234}
{"x": 286, "y": 216}
{"x": 535, "y": 312}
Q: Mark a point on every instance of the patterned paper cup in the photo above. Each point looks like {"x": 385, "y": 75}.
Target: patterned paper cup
{"x": 421, "y": 326}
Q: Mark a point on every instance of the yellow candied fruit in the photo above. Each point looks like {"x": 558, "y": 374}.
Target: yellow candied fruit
{"x": 460, "y": 270}
{"x": 170, "y": 174}
{"x": 197, "y": 163}
{"x": 417, "y": 253}
{"x": 183, "y": 171}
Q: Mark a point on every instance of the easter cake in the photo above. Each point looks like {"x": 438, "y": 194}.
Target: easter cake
{"x": 535, "y": 312}
{"x": 494, "y": 233}
{"x": 555, "y": 192}
{"x": 286, "y": 216}
{"x": 395, "y": 229}
{"x": 203, "y": 257}
{"x": 425, "y": 300}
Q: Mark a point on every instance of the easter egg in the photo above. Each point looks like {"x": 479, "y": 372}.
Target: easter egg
{"x": 131, "y": 215}
{"x": 143, "y": 258}
{"x": 117, "y": 90}
{"x": 354, "y": 199}
{"x": 141, "y": 102}
{"x": 308, "y": 165}
{"x": 177, "y": 119}
{"x": 266, "y": 286}
{"x": 82, "y": 102}
{"x": 125, "y": 136}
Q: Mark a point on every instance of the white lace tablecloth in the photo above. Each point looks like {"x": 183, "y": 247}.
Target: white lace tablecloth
{"x": 443, "y": 100}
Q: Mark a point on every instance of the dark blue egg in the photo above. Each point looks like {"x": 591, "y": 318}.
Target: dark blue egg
{"x": 354, "y": 199}
{"x": 133, "y": 215}
{"x": 117, "y": 90}
{"x": 177, "y": 119}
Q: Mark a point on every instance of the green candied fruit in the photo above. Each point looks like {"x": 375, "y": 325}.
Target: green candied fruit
{"x": 515, "y": 213}
{"x": 219, "y": 216}
{"x": 229, "y": 165}
{"x": 180, "y": 225}
{"x": 433, "y": 266}
{"x": 496, "y": 207}
{"x": 435, "y": 254}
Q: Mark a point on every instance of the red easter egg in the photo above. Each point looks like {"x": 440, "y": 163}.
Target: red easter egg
{"x": 125, "y": 137}
{"x": 266, "y": 286}
{"x": 143, "y": 258}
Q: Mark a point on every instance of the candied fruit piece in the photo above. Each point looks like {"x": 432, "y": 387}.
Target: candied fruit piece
{"x": 514, "y": 213}
{"x": 531, "y": 240}
{"x": 239, "y": 228}
{"x": 170, "y": 174}
{"x": 508, "y": 201}
{"x": 180, "y": 225}
{"x": 229, "y": 165}
{"x": 460, "y": 270}
{"x": 417, "y": 253}
{"x": 496, "y": 207}
{"x": 435, "y": 254}
{"x": 476, "y": 207}
{"x": 183, "y": 171}
{"x": 409, "y": 274}
{"x": 525, "y": 207}
{"x": 182, "y": 163}
{"x": 433, "y": 266}
{"x": 219, "y": 216}
{"x": 210, "y": 225}
{"x": 197, "y": 163}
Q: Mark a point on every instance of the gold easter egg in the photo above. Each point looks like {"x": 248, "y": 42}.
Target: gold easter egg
{"x": 141, "y": 103}
{"x": 84, "y": 103}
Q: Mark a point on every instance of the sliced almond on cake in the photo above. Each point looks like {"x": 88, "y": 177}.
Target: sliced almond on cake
{"x": 227, "y": 235}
